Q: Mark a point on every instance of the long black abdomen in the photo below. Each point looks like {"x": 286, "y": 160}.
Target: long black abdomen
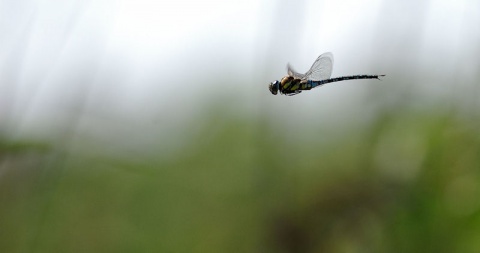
{"x": 342, "y": 78}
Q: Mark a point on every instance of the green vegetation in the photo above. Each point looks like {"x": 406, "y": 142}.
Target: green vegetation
{"x": 409, "y": 182}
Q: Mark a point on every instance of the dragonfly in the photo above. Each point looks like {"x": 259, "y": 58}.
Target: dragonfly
{"x": 318, "y": 75}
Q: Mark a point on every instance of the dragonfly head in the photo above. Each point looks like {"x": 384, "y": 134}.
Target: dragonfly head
{"x": 274, "y": 87}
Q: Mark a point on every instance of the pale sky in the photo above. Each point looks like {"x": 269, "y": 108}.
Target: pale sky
{"x": 160, "y": 61}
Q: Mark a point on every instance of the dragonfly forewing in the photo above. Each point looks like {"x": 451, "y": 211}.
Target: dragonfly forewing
{"x": 321, "y": 69}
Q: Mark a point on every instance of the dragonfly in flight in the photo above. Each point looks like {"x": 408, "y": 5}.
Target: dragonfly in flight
{"x": 318, "y": 75}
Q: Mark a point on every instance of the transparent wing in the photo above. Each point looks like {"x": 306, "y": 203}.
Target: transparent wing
{"x": 321, "y": 69}
{"x": 293, "y": 73}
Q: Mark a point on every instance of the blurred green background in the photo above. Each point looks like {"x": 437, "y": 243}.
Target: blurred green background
{"x": 161, "y": 135}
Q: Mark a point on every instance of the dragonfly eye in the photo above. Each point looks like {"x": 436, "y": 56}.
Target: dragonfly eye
{"x": 273, "y": 87}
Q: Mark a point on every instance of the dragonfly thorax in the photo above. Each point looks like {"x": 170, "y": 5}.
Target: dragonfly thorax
{"x": 274, "y": 87}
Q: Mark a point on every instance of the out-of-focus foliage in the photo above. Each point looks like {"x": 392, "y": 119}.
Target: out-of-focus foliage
{"x": 409, "y": 182}
{"x": 106, "y": 145}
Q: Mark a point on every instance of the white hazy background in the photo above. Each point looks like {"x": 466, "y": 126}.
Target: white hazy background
{"x": 142, "y": 71}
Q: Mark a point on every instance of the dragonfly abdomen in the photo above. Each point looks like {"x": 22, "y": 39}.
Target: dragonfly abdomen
{"x": 342, "y": 78}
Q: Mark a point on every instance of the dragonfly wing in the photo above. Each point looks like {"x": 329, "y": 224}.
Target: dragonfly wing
{"x": 321, "y": 69}
{"x": 293, "y": 73}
